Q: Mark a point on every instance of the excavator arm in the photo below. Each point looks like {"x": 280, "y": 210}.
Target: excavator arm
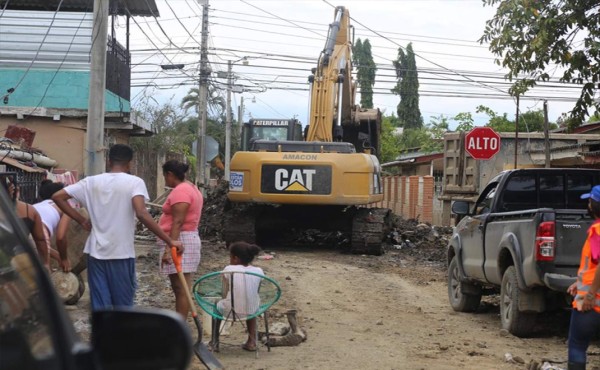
{"x": 332, "y": 89}
{"x": 333, "y": 113}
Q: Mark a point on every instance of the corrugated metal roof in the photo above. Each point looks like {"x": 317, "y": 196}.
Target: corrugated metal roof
{"x": 67, "y": 40}
{"x": 145, "y": 8}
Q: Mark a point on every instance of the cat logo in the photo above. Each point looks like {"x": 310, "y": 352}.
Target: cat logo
{"x": 297, "y": 180}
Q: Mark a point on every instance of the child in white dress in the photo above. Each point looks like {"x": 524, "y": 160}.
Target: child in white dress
{"x": 246, "y": 300}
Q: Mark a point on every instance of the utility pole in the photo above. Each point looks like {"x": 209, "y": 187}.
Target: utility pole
{"x": 95, "y": 162}
{"x": 546, "y": 135}
{"x": 517, "y": 132}
{"x": 202, "y": 100}
{"x": 241, "y": 117}
{"x": 228, "y": 121}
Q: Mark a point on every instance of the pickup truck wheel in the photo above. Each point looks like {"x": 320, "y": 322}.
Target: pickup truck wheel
{"x": 516, "y": 322}
{"x": 459, "y": 300}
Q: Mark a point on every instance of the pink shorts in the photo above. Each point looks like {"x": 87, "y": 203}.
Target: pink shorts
{"x": 191, "y": 253}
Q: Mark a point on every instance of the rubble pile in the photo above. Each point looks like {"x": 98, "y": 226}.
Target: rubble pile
{"x": 213, "y": 211}
{"x": 420, "y": 240}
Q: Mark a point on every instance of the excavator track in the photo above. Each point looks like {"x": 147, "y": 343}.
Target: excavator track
{"x": 370, "y": 226}
{"x": 366, "y": 228}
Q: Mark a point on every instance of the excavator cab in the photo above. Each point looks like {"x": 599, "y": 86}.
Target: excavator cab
{"x": 270, "y": 129}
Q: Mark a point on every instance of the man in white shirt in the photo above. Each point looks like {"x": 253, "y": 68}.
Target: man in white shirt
{"x": 113, "y": 200}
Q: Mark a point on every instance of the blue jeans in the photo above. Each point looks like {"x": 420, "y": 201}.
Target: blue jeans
{"x": 112, "y": 282}
{"x": 583, "y": 328}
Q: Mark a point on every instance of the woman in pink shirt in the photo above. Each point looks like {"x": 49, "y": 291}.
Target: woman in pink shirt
{"x": 180, "y": 219}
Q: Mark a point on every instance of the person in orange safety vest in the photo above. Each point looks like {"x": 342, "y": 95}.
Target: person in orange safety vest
{"x": 585, "y": 317}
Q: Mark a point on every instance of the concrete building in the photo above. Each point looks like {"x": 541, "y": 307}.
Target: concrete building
{"x": 45, "y": 71}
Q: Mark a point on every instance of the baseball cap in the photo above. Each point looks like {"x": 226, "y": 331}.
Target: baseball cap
{"x": 594, "y": 194}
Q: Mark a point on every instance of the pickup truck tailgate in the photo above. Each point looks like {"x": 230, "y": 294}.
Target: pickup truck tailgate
{"x": 571, "y": 232}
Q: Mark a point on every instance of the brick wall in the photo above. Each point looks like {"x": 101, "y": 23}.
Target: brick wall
{"x": 410, "y": 196}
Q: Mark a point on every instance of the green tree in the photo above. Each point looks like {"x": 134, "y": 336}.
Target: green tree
{"x": 216, "y": 104}
{"x": 413, "y": 138}
{"x": 465, "y": 121}
{"x": 499, "y": 123}
{"x": 437, "y": 127}
{"x": 595, "y": 117}
{"x": 530, "y": 121}
{"x": 390, "y": 142}
{"x": 407, "y": 88}
{"x": 530, "y": 37}
{"x": 366, "y": 71}
{"x": 172, "y": 134}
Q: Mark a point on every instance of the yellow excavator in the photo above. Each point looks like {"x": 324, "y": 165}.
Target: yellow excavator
{"x": 323, "y": 182}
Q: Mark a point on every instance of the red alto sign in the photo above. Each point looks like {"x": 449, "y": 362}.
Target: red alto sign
{"x": 482, "y": 143}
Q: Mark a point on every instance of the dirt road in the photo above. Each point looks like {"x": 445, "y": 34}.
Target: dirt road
{"x": 366, "y": 312}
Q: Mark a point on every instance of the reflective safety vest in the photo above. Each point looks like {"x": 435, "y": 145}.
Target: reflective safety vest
{"x": 587, "y": 269}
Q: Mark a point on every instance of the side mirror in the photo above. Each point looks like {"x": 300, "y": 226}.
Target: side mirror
{"x": 460, "y": 208}
{"x": 140, "y": 339}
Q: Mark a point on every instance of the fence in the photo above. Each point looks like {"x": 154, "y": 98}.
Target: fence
{"x": 412, "y": 197}
{"x": 28, "y": 182}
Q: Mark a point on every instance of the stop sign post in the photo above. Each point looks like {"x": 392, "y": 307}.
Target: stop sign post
{"x": 482, "y": 143}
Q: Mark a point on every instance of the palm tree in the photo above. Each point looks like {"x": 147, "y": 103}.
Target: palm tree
{"x": 216, "y": 103}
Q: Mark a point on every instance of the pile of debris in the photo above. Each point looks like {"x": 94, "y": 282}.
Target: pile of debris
{"x": 420, "y": 240}
{"x": 213, "y": 211}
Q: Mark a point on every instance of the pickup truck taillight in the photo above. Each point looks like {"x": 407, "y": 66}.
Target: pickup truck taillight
{"x": 544, "y": 241}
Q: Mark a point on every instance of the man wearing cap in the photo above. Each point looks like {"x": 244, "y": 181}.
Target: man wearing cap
{"x": 585, "y": 317}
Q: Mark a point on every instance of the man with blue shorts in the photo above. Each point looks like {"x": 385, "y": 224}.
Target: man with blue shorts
{"x": 113, "y": 200}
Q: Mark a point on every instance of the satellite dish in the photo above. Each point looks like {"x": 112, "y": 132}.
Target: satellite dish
{"x": 211, "y": 151}
{"x": 212, "y": 148}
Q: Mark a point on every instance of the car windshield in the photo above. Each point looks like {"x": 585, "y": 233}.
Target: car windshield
{"x": 25, "y": 341}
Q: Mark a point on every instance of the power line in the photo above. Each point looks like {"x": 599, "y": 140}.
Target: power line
{"x": 283, "y": 19}
{"x": 374, "y": 46}
{"x": 425, "y": 59}
{"x": 283, "y": 25}
{"x": 321, "y": 25}
{"x": 308, "y": 60}
{"x": 161, "y": 29}
{"x": 489, "y": 79}
{"x": 157, "y": 73}
{"x": 222, "y": 85}
{"x": 181, "y": 23}
{"x": 450, "y": 82}
{"x": 488, "y": 87}
{"x": 149, "y": 39}
{"x": 426, "y": 94}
